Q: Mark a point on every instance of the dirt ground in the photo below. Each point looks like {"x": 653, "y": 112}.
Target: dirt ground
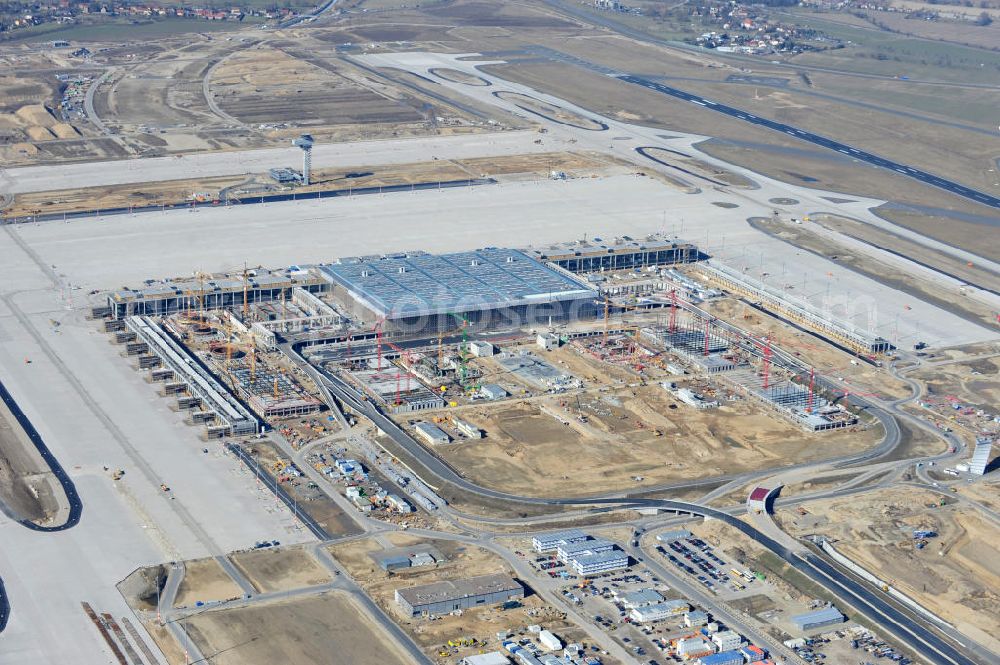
{"x": 267, "y": 85}
{"x": 180, "y": 192}
{"x": 827, "y": 360}
{"x": 868, "y": 233}
{"x": 956, "y": 575}
{"x": 526, "y": 445}
{"x": 462, "y": 560}
{"x": 280, "y": 569}
{"x": 963, "y": 394}
{"x": 314, "y": 501}
{"x": 779, "y": 156}
{"x": 304, "y": 630}
{"x": 28, "y": 490}
{"x": 205, "y": 580}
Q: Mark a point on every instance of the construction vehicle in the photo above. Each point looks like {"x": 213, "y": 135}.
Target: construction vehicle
{"x": 117, "y": 474}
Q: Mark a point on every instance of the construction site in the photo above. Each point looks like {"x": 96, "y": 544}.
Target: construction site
{"x": 498, "y": 353}
{"x": 924, "y": 545}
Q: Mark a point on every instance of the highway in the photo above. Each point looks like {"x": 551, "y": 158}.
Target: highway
{"x": 868, "y": 602}
{"x": 822, "y": 141}
{"x": 909, "y": 630}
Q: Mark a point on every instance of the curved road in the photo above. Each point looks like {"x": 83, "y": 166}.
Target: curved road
{"x": 822, "y": 141}
{"x": 75, "y": 503}
{"x": 905, "y": 628}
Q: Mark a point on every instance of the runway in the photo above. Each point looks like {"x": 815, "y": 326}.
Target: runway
{"x": 816, "y": 139}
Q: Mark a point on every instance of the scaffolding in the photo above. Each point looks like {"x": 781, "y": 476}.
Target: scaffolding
{"x": 199, "y": 381}
{"x": 271, "y": 394}
{"x": 754, "y": 367}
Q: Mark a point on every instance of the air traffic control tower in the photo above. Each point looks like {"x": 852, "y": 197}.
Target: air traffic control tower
{"x": 305, "y": 143}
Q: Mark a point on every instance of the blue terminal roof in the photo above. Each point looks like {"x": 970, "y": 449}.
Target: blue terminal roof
{"x": 424, "y": 284}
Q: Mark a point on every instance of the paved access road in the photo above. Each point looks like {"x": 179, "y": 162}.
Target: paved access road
{"x": 869, "y": 602}
{"x": 907, "y": 629}
{"x": 816, "y": 139}
{"x": 72, "y": 497}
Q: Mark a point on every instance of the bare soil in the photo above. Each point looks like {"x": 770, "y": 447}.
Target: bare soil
{"x": 954, "y": 575}
{"x": 205, "y": 580}
{"x": 462, "y": 560}
{"x": 28, "y": 489}
{"x": 526, "y": 446}
{"x": 280, "y": 569}
{"x": 303, "y": 630}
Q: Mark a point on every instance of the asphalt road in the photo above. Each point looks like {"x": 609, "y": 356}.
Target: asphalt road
{"x": 820, "y": 571}
{"x": 250, "y": 200}
{"x": 75, "y": 502}
{"x": 822, "y": 141}
{"x": 272, "y": 484}
{"x": 909, "y": 630}
{"x": 4, "y": 607}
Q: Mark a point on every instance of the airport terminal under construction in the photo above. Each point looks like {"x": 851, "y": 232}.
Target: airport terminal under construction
{"x": 398, "y": 329}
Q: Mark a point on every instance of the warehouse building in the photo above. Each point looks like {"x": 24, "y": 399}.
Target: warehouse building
{"x": 827, "y": 616}
{"x": 549, "y": 542}
{"x": 491, "y": 658}
{"x": 695, "y": 619}
{"x": 451, "y": 595}
{"x": 467, "y": 428}
{"x": 419, "y": 292}
{"x": 640, "y": 598}
{"x": 492, "y": 391}
{"x": 431, "y": 433}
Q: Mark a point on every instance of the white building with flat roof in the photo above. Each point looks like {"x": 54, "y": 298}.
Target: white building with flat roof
{"x": 549, "y": 542}
{"x": 659, "y": 611}
{"x": 567, "y": 551}
{"x": 481, "y": 349}
{"x": 727, "y": 640}
{"x": 467, "y": 428}
{"x": 492, "y": 391}
{"x": 695, "y": 618}
{"x": 593, "y": 564}
{"x": 640, "y": 598}
{"x": 432, "y": 433}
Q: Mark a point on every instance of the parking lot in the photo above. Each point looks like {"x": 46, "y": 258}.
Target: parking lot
{"x": 699, "y": 560}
